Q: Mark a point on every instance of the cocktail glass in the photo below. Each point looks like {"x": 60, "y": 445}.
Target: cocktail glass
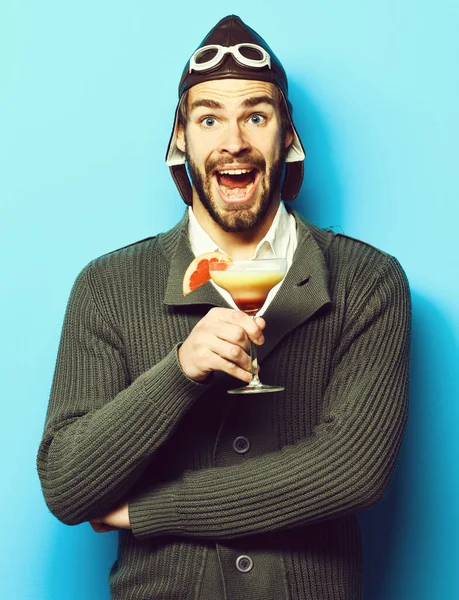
{"x": 249, "y": 283}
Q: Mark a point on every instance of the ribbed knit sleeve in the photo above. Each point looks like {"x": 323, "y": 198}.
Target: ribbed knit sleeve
{"x": 101, "y": 429}
{"x": 343, "y": 467}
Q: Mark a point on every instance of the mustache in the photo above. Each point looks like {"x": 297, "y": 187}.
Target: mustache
{"x": 244, "y": 159}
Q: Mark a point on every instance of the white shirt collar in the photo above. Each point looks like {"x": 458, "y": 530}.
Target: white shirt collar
{"x": 279, "y": 242}
{"x": 274, "y": 244}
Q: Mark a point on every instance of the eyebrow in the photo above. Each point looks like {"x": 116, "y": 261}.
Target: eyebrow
{"x": 248, "y": 103}
{"x": 258, "y": 100}
{"x": 207, "y": 103}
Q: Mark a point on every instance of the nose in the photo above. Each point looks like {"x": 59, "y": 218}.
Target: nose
{"x": 233, "y": 140}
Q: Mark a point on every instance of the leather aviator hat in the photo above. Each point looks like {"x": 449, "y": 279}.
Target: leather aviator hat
{"x": 232, "y": 50}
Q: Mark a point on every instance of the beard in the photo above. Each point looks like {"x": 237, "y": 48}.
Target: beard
{"x": 237, "y": 219}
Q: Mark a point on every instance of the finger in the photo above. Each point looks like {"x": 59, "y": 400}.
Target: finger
{"x": 229, "y": 332}
{"x": 216, "y": 354}
{"x": 252, "y": 327}
{"x": 208, "y": 353}
{"x": 101, "y": 527}
{"x": 230, "y": 352}
{"x": 226, "y": 366}
{"x": 260, "y": 322}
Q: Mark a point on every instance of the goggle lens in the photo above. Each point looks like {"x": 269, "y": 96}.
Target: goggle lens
{"x": 205, "y": 55}
{"x": 251, "y": 53}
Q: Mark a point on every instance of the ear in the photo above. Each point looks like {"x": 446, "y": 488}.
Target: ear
{"x": 181, "y": 144}
{"x": 288, "y": 137}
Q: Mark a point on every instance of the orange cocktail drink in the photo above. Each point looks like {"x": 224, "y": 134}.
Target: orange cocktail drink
{"x": 249, "y": 283}
{"x": 249, "y": 287}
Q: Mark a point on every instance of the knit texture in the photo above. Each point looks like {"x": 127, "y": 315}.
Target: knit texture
{"x": 125, "y": 423}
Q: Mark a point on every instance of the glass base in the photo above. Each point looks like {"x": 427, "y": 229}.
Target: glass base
{"x": 259, "y": 388}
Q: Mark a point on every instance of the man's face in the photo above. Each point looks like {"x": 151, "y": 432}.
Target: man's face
{"x": 234, "y": 150}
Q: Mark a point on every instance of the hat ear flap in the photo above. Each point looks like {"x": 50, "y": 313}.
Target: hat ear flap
{"x": 293, "y": 179}
{"x": 180, "y": 177}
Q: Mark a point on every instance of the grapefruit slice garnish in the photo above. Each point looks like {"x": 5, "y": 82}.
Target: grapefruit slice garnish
{"x": 198, "y": 272}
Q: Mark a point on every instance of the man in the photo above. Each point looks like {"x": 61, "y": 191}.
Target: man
{"x": 218, "y": 496}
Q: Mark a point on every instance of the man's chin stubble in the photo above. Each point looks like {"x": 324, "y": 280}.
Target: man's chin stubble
{"x": 236, "y": 220}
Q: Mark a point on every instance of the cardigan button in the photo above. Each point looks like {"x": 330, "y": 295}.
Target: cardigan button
{"x": 244, "y": 564}
{"x": 241, "y": 444}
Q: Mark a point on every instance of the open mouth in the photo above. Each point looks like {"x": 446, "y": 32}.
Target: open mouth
{"x": 237, "y": 184}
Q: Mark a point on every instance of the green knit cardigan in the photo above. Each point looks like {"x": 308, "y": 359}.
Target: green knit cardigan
{"x": 125, "y": 423}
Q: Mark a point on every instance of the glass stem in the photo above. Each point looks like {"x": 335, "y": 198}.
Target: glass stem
{"x": 254, "y": 363}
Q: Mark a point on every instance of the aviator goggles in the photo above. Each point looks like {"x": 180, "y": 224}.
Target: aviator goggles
{"x": 248, "y": 55}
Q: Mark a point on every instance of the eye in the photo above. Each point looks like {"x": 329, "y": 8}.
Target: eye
{"x": 208, "y": 122}
{"x": 257, "y": 119}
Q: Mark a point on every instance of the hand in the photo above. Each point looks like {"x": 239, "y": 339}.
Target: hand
{"x": 117, "y": 519}
{"x": 220, "y": 342}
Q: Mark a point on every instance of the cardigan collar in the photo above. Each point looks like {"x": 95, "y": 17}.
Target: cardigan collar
{"x": 303, "y": 292}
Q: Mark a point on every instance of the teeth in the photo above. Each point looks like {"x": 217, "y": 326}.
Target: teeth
{"x": 235, "y": 171}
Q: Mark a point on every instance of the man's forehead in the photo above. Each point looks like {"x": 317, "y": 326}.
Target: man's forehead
{"x": 231, "y": 91}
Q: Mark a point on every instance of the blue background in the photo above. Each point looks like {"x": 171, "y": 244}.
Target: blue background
{"x": 87, "y": 98}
